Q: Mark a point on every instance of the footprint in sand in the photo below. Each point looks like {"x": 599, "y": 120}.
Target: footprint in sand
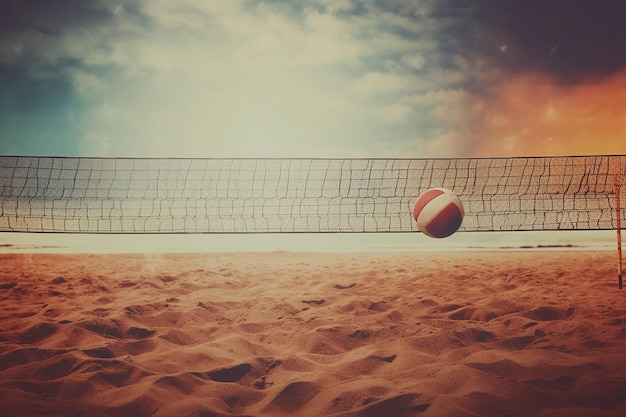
{"x": 104, "y": 327}
{"x": 179, "y": 337}
{"x": 344, "y": 287}
{"x": 293, "y": 397}
{"x": 316, "y": 302}
{"x": 139, "y": 333}
{"x": 548, "y": 313}
{"x": 99, "y": 352}
{"x": 37, "y": 333}
{"x": 230, "y": 374}
{"x": 402, "y": 404}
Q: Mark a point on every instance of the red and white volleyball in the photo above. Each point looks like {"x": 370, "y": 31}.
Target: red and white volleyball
{"x": 438, "y": 212}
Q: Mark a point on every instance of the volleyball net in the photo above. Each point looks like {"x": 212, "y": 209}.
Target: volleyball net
{"x": 178, "y": 195}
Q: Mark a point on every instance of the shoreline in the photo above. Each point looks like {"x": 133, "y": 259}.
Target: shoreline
{"x": 32, "y": 249}
{"x": 354, "y": 242}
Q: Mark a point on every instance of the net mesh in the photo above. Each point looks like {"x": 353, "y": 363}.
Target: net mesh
{"x": 123, "y": 195}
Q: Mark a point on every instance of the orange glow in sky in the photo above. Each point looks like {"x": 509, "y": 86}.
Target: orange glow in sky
{"x": 533, "y": 115}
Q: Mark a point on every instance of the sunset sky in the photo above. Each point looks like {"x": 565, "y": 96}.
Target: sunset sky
{"x": 315, "y": 78}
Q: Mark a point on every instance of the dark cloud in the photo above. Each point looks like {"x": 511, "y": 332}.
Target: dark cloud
{"x": 52, "y": 17}
{"x": 568, "y": 39}
{"x": 32, "y": 32}
{"x": 38, "y": 107}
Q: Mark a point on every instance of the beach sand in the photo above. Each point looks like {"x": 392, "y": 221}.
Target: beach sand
{"x": 499, "y": 333}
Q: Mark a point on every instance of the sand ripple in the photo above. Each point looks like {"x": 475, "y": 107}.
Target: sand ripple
{"x": 286, "y": 334}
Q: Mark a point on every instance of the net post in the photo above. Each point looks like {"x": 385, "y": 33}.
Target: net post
{"x": 619, "y": 172}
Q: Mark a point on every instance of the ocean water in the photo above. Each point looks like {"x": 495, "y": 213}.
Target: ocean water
{"x": 315, "y": 242}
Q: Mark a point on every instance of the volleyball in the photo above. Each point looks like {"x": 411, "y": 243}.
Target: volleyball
{"x": 438, "y": 213}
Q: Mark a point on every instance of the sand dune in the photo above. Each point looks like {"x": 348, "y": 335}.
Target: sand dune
{"x": 285, "y": 334}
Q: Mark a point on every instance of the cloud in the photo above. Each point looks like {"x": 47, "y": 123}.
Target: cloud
{"x": 569, "y": 40}
{"x": 250, "y": 79}
{"x": 317, "y": 78}
{"x": 51, "y": 34}
{"x": 236, "y": 78}
{"x": 386, "y": 82}
{"x": 414, "y": 62}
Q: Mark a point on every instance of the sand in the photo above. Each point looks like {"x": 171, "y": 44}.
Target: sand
{"x": 502, "y": 333}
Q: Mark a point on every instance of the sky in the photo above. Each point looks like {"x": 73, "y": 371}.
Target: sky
{"x": 312, "y": 78}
